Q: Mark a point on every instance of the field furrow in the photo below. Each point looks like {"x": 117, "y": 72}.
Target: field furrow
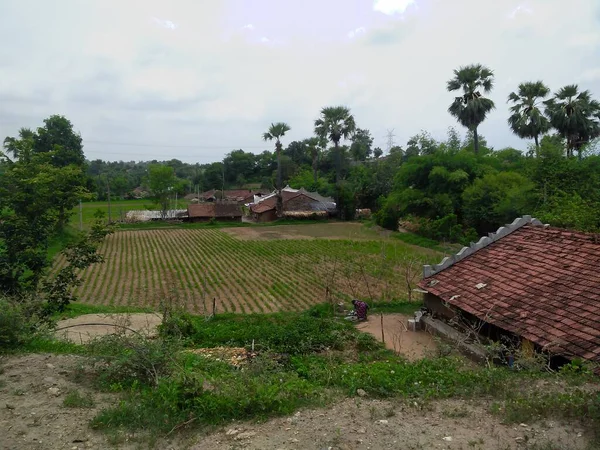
{"x": 194, "y": 266}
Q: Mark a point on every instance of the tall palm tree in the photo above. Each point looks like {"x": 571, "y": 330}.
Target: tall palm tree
{"x": 336, "y": 123}
{"x": 575, "y": 115}
{"x": 277, "y": 131}
{"x": 527, "y": 119}
{"x": 471, "y": 108}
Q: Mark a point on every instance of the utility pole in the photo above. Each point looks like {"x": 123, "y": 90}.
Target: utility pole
{"x": 390, "y": 139}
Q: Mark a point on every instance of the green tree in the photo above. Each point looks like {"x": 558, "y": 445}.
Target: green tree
{"x": 527, "y": 119}
{"x": 336, "y": 123}
{"x": 57, "y": 136}
{"x": 163, "y": 184}
{"x": 377, "y": 153}
{"x": 471, "y": 108}
{"x": 496, "y": 199}
{"x": 29, "y": 215}
{"x": 276, "y": 132}
{"x": 239, "y": 163}
{"x": 576, "y": 116}
{"x": 362, "y": 141}
{"x": 314, "y": 146}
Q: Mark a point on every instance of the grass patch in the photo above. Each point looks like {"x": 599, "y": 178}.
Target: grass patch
{"x": 304, "y": 359}
{"x": 76, "y": 399}
{"x": 415, "y": 239}
{"x": 51, "y": 345}
{"x": 402, "y": 307}
{"x": 80, "y": 309}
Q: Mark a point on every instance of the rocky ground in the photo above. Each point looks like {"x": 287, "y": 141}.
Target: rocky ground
{"x": 33, "y": 389}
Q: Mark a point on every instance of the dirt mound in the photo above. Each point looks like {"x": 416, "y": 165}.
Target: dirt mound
{"x": 84, "y": 328}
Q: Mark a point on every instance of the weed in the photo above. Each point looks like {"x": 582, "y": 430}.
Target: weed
{"x": 76, "y": 399}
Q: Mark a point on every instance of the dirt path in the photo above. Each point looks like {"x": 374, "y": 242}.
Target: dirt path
{"x": 373, "y": 424}
{"x": 80, "y": 333}
{"x": 33, "y": 416}
{"x": 413, "y": 345}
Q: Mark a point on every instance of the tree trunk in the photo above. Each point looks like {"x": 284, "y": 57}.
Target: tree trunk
{"x": 279, "y": 207}
{"x": 338, "y": 162}
{"x": 476, "y": 140}
{"x": 338, "y": 169}
{"x": 537, "y": 146}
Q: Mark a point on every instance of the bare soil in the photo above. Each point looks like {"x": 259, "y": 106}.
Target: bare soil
{"x": 84, "y": 328}
{"x": 412, "y": 344}
{"x": 32, "y": 416}
{"x": 325, "y": 230}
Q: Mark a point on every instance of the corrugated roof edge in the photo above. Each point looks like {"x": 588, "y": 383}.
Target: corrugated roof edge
{"x": 448, "y": 261}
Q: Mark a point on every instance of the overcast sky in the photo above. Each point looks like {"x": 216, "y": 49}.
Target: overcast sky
{"x": 191, "y": 79}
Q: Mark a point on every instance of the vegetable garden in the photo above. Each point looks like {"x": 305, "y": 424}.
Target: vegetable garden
{"x": 195, "y": 266}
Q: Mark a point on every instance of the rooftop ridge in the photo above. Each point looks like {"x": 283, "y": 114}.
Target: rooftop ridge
{"x": 448, "y": 261}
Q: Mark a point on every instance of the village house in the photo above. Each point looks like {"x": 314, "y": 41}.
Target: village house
{"x": 533, "y": 285}
{"x": 219, "y": 211}
{"x": 296, "y": 203}
{"x": 240, "y": 196}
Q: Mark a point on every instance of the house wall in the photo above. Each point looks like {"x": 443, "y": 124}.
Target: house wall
{"x": 437, "y": 306}
{"x": 267, "y": 216}
{"x": 229, "y": 219}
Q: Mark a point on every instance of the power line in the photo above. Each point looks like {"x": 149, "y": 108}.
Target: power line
{"x": 135, "y": 144}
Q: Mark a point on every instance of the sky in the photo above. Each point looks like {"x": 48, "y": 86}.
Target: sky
{"x": 193, "y": 80}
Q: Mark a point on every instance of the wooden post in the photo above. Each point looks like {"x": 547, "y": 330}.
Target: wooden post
{"x": 382, "y": 333}
{"x": 214, "y": 306}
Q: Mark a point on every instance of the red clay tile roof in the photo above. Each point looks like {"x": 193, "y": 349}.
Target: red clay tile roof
{"x": 201, "y": 210}
{"x": 540, "y": 283}
{"x": 227, "y": 210}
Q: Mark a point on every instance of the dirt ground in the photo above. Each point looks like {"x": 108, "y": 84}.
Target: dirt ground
{"x": 413, "y": 345}
{"x": 88, "y": 326}
{"x": 32, "y": 416}
{"x": 328, "y": 230}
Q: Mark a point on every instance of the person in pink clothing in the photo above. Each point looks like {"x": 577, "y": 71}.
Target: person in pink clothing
{"x": 360, "y": 309}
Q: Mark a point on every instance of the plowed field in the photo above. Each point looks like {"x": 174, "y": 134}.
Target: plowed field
{"x": 195, "y": 266}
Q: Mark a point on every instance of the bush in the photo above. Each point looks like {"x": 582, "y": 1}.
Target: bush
{"x": 18, "y": 323}
{"x": 125, "y": 361}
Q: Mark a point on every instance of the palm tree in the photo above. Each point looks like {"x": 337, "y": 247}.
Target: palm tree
{"x": 575, "y": 115}
{"x": 471, "y": 108}
{"x": 336, "y": 123}
{"x": 527, "y": 119}
{"x": 277, "y": 131}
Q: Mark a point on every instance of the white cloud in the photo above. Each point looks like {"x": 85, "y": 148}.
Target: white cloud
{"x": 390, "y": 7}
{"x": 248, "y": 26}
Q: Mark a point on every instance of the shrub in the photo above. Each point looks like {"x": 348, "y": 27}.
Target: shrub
{"x": 18, "y": 322}
{"x": 126, "y": 361}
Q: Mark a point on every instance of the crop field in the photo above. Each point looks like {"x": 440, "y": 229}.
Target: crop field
{"x": 245, "y": 274}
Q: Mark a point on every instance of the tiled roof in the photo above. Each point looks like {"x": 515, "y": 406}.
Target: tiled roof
{"x": 201, "y": 210}
{"x": 538, "y": 282}
{"x": 227, "y": 210}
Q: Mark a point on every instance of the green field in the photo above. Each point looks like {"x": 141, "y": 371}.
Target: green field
{"x": 252, "y": 269}
{"x": 118, "y": 209}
